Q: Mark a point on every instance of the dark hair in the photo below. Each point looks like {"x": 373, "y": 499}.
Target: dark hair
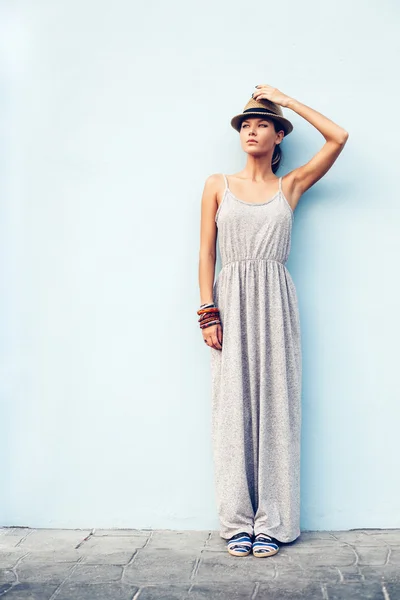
{"x": 277, "y": 155}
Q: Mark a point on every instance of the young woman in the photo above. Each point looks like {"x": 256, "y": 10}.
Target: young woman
{"x": 249, "y": 318}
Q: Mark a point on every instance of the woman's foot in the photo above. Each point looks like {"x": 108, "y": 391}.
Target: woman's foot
{"x": 240, "y": 544}
{"x": 265, "y": 545}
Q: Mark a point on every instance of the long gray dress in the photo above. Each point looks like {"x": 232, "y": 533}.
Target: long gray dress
{"x": 256, "y": 377}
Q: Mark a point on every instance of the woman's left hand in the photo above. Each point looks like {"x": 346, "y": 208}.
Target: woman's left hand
{"x": 267, "y": 92}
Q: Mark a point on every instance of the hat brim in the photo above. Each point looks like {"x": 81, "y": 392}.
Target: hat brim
{"x": 285, "y": 123}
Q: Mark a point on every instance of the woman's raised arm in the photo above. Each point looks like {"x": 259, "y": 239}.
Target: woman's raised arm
{"x": 302, "y": 178}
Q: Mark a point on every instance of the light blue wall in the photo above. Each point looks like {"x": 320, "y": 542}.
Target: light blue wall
{"x": 113, "y": 116}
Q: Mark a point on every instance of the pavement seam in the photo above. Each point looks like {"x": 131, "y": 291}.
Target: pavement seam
{"x": 130, "y": 562}
{"x": 72, "y": 570}
{"x": 255, "y": 591}
{"x": 195, "y": 567}
{"x": 355, "y": 564}
{"x": 24, "y": 538}
{"x": 340, "y": 574}
{"x": 85, "y": 539}
{"x": 197, "y": 564}
{"x": 324, "y": 592}
{"x": 16, "y": 582}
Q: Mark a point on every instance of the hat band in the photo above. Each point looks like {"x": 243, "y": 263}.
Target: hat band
{"x": 262, "y": 110}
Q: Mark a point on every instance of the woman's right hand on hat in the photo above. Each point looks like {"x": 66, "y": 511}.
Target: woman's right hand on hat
{"x": 213, "y": 336}
{"x": 268, "y": 92}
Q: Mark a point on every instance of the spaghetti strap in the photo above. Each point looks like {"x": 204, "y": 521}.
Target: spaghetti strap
{"x": 223, "y": 198}
{"x": 280, "y": 184}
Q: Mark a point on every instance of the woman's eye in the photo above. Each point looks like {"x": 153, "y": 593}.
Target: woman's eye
{"x": 246, "y": 125}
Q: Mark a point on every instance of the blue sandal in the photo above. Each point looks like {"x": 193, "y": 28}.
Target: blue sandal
{"x": 240, "y": 544}
{"x": 265, "y": 545}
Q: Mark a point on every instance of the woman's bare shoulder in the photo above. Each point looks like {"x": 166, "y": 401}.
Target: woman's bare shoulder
{"x": 215, "y": 184}
{"x": 214, "y": 179}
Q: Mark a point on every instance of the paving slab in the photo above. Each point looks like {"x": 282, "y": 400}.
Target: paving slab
{"x": 361, "y": 591}
{"x": 43, "y": 572}
{"x": 30, "y": 591}
{"x": 96, "y": 591}
{"x": 387, "y": 573}
{"x": 144, "y": 533}
{"x": 47, "y": 539}
{"x": 96, "y": 573}
{"x": 162, "y": 566}
{"x": 304, "y": 591}
{"x": 90, "y": 564}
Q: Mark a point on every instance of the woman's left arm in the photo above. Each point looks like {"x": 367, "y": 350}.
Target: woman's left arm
{"x": 303, "y": 177}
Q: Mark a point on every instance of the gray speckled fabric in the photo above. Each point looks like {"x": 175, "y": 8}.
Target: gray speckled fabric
{"x": 256, "y": 377}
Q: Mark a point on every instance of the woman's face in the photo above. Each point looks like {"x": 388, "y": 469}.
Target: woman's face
{"x": 263, "y": 133}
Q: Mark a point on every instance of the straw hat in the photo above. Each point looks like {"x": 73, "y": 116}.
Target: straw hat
{"x": 266, "y": 108}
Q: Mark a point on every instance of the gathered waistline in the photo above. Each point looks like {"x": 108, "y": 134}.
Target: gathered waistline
{"x": 230, "y": 262}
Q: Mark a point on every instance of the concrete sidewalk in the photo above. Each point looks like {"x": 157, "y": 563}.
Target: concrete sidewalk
{"x": 49, "y": 564}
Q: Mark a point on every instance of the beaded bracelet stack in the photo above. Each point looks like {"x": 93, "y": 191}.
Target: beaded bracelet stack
{"x": 209, "y": 315}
